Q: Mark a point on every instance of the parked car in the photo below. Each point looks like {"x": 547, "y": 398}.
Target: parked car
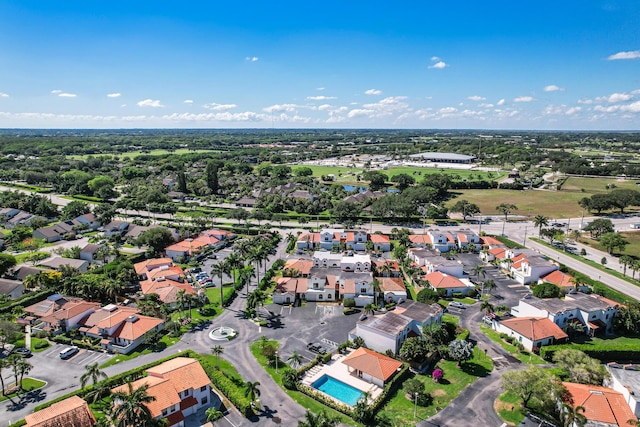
{"x": 196, "y": 270}
{"x": 213, "y": 256}
{"x": 22, "y": 351}
{"x": 457, "y": 304}
{"x": 68, "y": 352}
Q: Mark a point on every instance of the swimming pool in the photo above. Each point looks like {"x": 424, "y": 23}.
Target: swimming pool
{"x": 337, "y": 389}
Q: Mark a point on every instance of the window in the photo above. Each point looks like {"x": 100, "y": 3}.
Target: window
{"x": 204, "y": 400}
{"x": 363, "y": 290}
{"x": 520, "y": 339}
{"x": 203, "y": 388}
{"x": 320, "y": 296}
{"x": 329, "y": 296}
{"x": 165, "y": 412}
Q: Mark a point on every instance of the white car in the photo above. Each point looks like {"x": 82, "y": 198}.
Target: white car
{"x": 457, "y": 304}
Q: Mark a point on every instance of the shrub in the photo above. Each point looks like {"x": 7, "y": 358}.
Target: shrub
{"x": 464, "y": 334}
{"x": 349, "y": 303}
{"x": 348, "y": 311}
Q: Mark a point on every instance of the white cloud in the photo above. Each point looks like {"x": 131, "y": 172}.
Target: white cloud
{"x": 373, "y": 92}
{"x": 67, "y": 95}
{"x": 634, "y": 107}
{"x": 226, "y": 116}
{"x": 360, "y": 112}
{"x": 150, "y": 103}
{"x": 523, "y": 99}
{"x": 281, "y": 107}
{"x": 4, "y": 95}
{"x": 632, "y": 54}
{"x": 320, "y": 98}
{"x": 56, "y": 91}
{"x": 619, "y": 97}
{"x": 251, "y": 59}
{"x": 571, "y": 111}
{"x": 219, "y": 107}
{"x": 438, "y": 63}
{"x": 123, "y": 105}
{"x": 113, "y": 95}
{"x": 553, "y": 88}
{"x": 188, "y": 101}
{"x": 435, "y": 59}
{"x": 447, "y": 110}
{"x": 324, "y": 107}
{"x": 476, "y": 98}
{"x": 501, "y": 102}
{"x": 585, "y": 101}
{"x": 486, "y": 105}
{"x": 320, "y": 88}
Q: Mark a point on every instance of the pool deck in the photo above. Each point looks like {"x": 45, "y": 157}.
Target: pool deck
{"x": 338, "y": 370}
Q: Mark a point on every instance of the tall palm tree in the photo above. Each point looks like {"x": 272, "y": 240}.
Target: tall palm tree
{"x": 625, "y": 261}
{"x": 369, "y": 308}
{"x": 235, "y": 263}
{"x": 295, "y": 359}
{"x": 129, "y": 408}
{"x": 320, "y": 420}
{"x": 251, "y": 390}
{"x": 540, "y": 221}
{"x": 93, "y": 373}
{"x": 180, "y": 300}
{"x": 487, "y": 307}
{"x": 489, "y": 285}
{"x": 572, "y": 416}
{"x": 506, "y": 209}
{"x": 217, "y": 350}
{"x": 219, "y": 270}
{"x": 97, "y": 392}
{"x": 245, "y": 275}
{"x": 478, "y": 271}
{"x": 4, "y": 363}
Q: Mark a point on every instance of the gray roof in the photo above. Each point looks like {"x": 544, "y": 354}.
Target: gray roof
{"x": 587, "y": 303}
{"x": 393, "y": 322}
{"x": 628, "y": 376}
{"x": 443, "y": 156}
{"x": 7, "y": 286}
{"x": 58, "y": 262}
{"x": 26, "y": 270}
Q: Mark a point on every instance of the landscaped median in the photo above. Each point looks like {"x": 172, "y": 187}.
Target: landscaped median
{"x": 522, "y": 355}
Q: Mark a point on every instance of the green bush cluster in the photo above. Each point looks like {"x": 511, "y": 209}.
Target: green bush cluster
{"x": 228, "y": 388}
{"x": 603, "y": 351}
{"x": 25, "y": 301}
{"x": 463, "y": 335}
{"x": 324, "y": 399}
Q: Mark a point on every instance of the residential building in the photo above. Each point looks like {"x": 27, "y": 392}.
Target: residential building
{"x": 442, "y": 158}
{"x": 447, "y": 284}
{"x": 393, "y": 289}
{"x": 594, "y": 312}
{"x": 381, "y": 242}
{"x": 116, "y": 228}
{"x": 389, "y": 330}
{"x": 57, "y": 263}
{"x": 70, "y": 412}
{"x": 531, "y": 332}
{"x": 564, "y": 281}
{"x": 370, "y": 366}
{"x": 625, "y": 379}
{"x": 88, "y": 253}
{"x": 602, "y": 406}
{"x": 11, "y": 288}
{"x": 180, "y": 387}
{"x": 67, "y": 317}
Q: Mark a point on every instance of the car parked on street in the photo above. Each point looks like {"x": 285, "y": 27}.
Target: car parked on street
{"x": 22, "y": 351}
{"x": 457, "y": 304}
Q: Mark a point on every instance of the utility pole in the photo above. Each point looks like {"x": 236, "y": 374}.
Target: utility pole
{"x": 524, "y": 242}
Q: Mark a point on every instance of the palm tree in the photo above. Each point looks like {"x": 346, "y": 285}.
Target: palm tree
{"x": 489, "y": 285}
{"x": 635, "y": 266}
{"x": 97, "y": 392}
{"x": 213, "y": 414}
{"x": 295, "y": 359}
{"x": 251, "y": 390}
{"x": 369, "y": 308}
{"x": 570, "y": 415}
{"x": 4, "y": 363}
{"x": 487, "y": 307}
{"x": 478, "y": 271}
{"x": 217, "y": 350}
{"x": 129, "y": 408}
{"x": 625, "y": 261}
{"x": 540, "y": 221}
{"x": 245, "y": 275}
{"x": 180, "y": 300}
{"x": 93, "y": 373}
{"x": 505, "y": 209}
{"x": 321, "y": 420}
{"x": 219, "y": 270}
{"x": 235, "y": 263}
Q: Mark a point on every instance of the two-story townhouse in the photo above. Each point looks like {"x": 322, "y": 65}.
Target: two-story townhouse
{"x": 422, "y": 241}
{"x": 68, "y": 317}
{"x": 441, "y": 241}
{"x": 531, "y": 332}
{"x": 594, "y": 312}
{"x": 448, "y": 285}
{"x": 330, "y": 238}
{"x": 70, "y": 412}
{"x": 355, "y": 240}
{"x": 625, "y": 379}
{"x": 358, "y": 286}
{"x": 356, "y": 263}
{"x": 564, "y": 281}
{"x": 393, "y": 289}
{"x": 381, "y": 242}
{"x": 308, "y": 241}
{"x": 444, "y": 265}
{"x": 389, "y": 330}
{"x": 321, "y": 284}
{"x": 421, "y": 256}
{"x": 529, "y": 268}
{"x": 466, "y": 238}
{"x": 326, "y": 259}
{"x": 180, "y": 387}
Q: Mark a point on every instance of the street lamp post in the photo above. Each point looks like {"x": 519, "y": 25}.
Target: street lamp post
{"x": 415, "y": 404}
{"x": 276, "y": 361}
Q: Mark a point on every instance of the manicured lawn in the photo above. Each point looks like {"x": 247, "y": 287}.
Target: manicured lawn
{"x": 21, "y": 258}
{"x": 509, "y": 407}
{"x": 632, "y": 249}
{"x": 595, "y": 185}
{"x": 400, "y": 409}
{"x": 28, "y": 384}
{"x": 465, "y": 300}
{"x": 42, "y": 344}
{"x": 512, "y": 349}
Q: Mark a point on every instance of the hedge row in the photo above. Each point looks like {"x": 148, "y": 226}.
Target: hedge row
{"x": 604, "y": 352}
{"x": 464, "y": 335}
{"x": 26, "y": 300}
{"x": 390, "y": 388}
{"x": 324, "y": 399}
{"x": 228, "y": 388}
{"x": 508, "y": 243}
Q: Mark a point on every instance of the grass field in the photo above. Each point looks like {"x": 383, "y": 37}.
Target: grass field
{"x": 525, "y": 358}
{"x": 596, "y": 185}
{"x": 509, "y": 407}
{"x": 632, "y": 249}
{"x": 132, "y": 154}
{"x": 28, "y": 384}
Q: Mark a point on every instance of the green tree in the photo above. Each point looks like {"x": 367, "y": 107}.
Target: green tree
{"x": 93, "y": 373}
{"x": 460, "y": 350}
{"x": 403, "y": 181}
{"x": 102, "y": 186}
{"x": 377, "y": 179}
{"x": 572, "y": 416}
{"x": 104, "y": 213}
{"x": 598, "y": 227}
{"x": 547, "y": 290}
{"x": 627, "y": 320}
{"x": 303, "y": 171}
{"x": 540, "y": 221}
{"x": 212, "y": 176}
{"x": 295, "y": 359}
{"x": 218, "y": 269}
{"x": 532, "y": 385}
{"x": 321, "y": 420}
{"x": 579, "y": 367}
{"x": 465, "y": 208}
{"x": 625, "y": 261}
{"x": 506, "y": 209}
{"x": 487, "y": 307}
{"x": 345, "y": 211}
{"x": 611, "y": 241}
{"x": 217, "y": 351}
{"x": 7, "y": 262}
{"x": 251, "y": 390}
{"x": 156, "y": 239}
{"x": 74, "y": 209}
{"x": 414, "y": 350}
{"x": 213, "y": 414}
{"x": 129, "y": 408}
{"x": 428, "y": 296}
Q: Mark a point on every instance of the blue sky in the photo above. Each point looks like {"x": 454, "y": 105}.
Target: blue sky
{"x": 334, "y": 64}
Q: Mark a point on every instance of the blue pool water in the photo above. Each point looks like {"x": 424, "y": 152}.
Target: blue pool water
{"x": 338, "y": 389}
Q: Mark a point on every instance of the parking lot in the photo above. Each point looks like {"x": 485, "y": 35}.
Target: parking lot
{"x": 83, "y": 357}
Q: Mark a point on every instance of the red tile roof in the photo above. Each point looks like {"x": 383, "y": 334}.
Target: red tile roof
{"x": 69, "y": 412}
{"x": 302, "y": 265}
{"x": 372, "y": 363}
{"x": 559, "y": 278}
{"x": 601, "y": 404}
{"x": 392, "y": 284}
{"x": 150, "y": 264}
{"x": 535, "y": 328}
{"x": 440, "y": 280}
{"x": 379, "y": 238}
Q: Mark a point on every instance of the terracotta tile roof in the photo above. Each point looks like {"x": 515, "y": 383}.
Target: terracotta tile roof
{"x": 392, "y": 284}
{"x": 372, "y": 363}
{"x": 161, "y": 388}
{"x": 291, "y": 285}
{"x": 490, "y": 241}
{"x": 172, "y": 271}
{"x": 183, "y": 372}
{"x": 440, "y": 280}
{"x": 71, "y": 309}
{"x": 379, "y": 238}
{"x": 348, "y": 287}
{"x": 302, "y": 265}
{"x": 559, "y": 278}
{"x": 71, "y": 412}
{"x": 332, "y": 282}
{"x": 310, "y": 237}
{"x": 535, "y": 328}
{"x": 351, "y": 237}
{"x": 420, "y": 239}
{"x": 498, "y": 252}
{"x": 132, "y": 330}
{"x": 150, "y": 264}
{"x": 217, "y": 233}
{"x": 462, "y": 238}
{"x": 601, "y": 404}
{"x": 106, "y": 319}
